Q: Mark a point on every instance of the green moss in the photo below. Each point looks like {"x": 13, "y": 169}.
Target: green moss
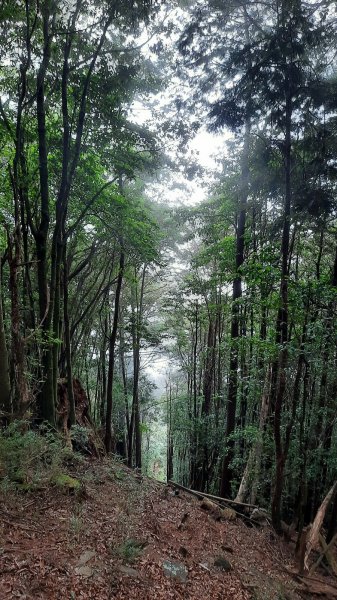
{"x": 66, "y": 482}
{"x": 29, "y": 487}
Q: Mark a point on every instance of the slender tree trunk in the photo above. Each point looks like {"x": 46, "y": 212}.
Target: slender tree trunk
{"x": 282, "y": 327}
{"x": 5, "y": 389}
{"x": 45, "y": 400}
{"x": 70, "y": 389}
{"x": 303, "y": 486}
{"x": 103, "y": 371}
{"x": 194, "y": 436}
{"x": 108, "y": 440}
{"x": 137, "y": 315}
{"x": 125, "y": 384}
{"x": 169, "y": 468}
{"x": 202, "y": 479}
{"x": 19, "y": 382}
{"x": 227, "y": 471}
{"x": 49, "y": 307}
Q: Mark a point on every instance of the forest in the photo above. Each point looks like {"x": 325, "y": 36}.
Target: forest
{"x": 168, "y": 245}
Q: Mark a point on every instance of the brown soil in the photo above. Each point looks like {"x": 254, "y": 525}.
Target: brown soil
{"x": 55, "y": 545}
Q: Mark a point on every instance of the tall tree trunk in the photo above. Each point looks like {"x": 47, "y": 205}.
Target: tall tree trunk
{"x": 169, "y": 468}
{"x": 19, "y": 382}
{"x": 125, "y": 382}
{"x": 194, "y": 435}
{"x": 49, "y": 307}
{"x": 108, "y": 440}
{"x": 70, "y": 389}
{"x": 282, "y": 326}
{"x": 227, "y": 471}
{"x": 202, "y": 479}
{"x": 45, "y": 399}
{"x": 137, "y": 315}
{"x": 102, "y": 407}
{"x": 5, "y": 389}
{"x": 301, "y": 499}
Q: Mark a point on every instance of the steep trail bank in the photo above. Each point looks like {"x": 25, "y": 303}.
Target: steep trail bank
{"x": 124, "y": 536}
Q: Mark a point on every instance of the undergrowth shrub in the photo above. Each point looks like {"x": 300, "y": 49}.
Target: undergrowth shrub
{"x": 87, "y": 441}
{"x": 80, "y": 438}
{"x": 130, "y": 550}
{"x": 30, "y": 458}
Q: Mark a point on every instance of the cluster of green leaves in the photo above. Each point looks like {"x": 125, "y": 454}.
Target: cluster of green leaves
{"x": 31, "y": 458}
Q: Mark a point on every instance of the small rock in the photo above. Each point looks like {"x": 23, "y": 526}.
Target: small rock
{"x": 176, "y": 570}
{"x": 222, "y": 563}
{"x": 129, "y": 571}
{"x": 84, "y": 571}
{"x": 85, "y": 557}
{"x": 228, "y": 549}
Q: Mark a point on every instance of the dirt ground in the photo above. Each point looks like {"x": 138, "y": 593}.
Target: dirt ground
{"x": 128, "y": 537}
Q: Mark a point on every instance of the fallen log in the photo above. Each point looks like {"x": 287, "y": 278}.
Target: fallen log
{"x": 306, "y": 579}
{"x": 222, "y": 502}
{"x": 319, "y": 589}
{"x": 216, "y": 498}
{"x": 228, "y": 501}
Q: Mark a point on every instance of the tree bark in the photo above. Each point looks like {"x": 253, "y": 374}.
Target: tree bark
{"x": 108, "y": 440}
{"x": 45, "y": 399}
{"x": 282, "y": 324}
{"x": 67, "y": 340}
{"x": 5, "y": 389}
{"x": 227, "y": 471}
{"x": 169, "y": 468}
{"x": 137, "y": 315}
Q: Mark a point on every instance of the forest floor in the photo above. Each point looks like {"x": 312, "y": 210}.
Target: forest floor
{"x": 124, "y": 536}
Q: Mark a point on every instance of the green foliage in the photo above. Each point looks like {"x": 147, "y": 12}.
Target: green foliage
{"x": 65, "y": 482}
{"x": 79, "y": 436}
{"x": 250, "y": 434}
{"x": 31, "y": 458}
{"x": 119, "y": 474}
{"x": 130, "y": 550}
{"x": 76, "y": 522}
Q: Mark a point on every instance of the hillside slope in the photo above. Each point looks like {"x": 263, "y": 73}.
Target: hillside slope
{"x": 124, "y": 536}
